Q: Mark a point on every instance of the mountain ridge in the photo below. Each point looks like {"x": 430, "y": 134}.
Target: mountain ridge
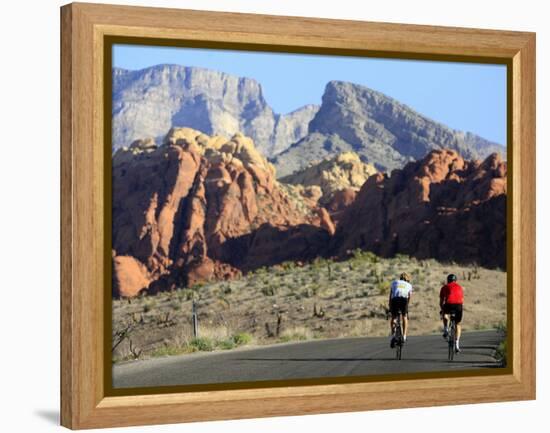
{"x": 149, "y": 101}
{"x": 381, "y": 129}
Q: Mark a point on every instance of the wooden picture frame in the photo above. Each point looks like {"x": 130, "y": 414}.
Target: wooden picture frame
{"x": 85, "y": 400}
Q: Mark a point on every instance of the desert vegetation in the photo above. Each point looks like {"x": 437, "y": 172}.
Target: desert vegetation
{"x": 296, "y": 301}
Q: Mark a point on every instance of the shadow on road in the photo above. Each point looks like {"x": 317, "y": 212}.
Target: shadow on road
{"x": 477, "y": 347}
{"x": 420, "y": 360}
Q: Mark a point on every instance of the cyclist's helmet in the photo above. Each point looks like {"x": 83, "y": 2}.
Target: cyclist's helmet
{"x": 451, "y": 278}
{"x": 405, "y": 277}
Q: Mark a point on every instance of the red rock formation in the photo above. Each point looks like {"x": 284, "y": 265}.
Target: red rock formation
{"x": 200, "y": 208}
{"x": 339, "y": 202}
{"x": 130, "y": 276}
{"x": 326, "y": 221}
{"x": 441, "y": 207}
{"x": 192, "y": 209}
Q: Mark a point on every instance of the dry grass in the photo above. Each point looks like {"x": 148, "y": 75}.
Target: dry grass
{"x": 323, "y": 299}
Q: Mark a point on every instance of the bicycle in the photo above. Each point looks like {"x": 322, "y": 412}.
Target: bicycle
{"x": 398, "y": 336}
{"x": 451, "y": 336}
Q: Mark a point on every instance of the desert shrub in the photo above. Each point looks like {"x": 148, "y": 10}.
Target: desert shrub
{"x": 362, "y": 293}
{"x": 501, "y": 353}
{"x": 319, "y": 263}
{"x": 501, "y": 328}
{"x": 370, "y": 257}
{"x": 242, "y": 338}
{"x": 269, "y": 290}
{"x": 226, "y": 344}
{"x": 169, "y": 351}
{"x": 149, "y": 305}
{"x": 384, "y": 287}
{"x": 310, "y": 291}
{"x": 260, "y": 271}
{"x": 201, "y": 344}
{"x": 298, "y": 333}
{"x": 288, "y": 266}
{"x": 402, "y": 258}
{"x": 196, "y": 287}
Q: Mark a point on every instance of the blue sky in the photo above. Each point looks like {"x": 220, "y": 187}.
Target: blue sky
{"x": 465, "y": 96}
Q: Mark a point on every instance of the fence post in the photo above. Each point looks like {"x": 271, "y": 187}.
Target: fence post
{"x": 195, "y": 321}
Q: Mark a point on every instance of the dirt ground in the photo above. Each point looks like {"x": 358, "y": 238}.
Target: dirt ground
{"x": 323, "y": 299}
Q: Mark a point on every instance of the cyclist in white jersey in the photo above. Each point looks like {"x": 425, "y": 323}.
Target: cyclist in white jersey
{"x": 400, "y": 296}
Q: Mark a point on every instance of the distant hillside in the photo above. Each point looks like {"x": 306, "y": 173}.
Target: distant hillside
{"x": 148, "y": 102}
{"x": 381, "y": 130}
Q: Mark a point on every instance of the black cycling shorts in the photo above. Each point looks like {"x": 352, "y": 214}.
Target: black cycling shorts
{"x": 399, "y": 305}
{"x": 454, "y": 308}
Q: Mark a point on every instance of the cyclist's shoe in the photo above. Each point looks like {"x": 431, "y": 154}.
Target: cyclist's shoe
{"x": 392, "y": 342}
{"x": 404, "y": 339}
{"x": 457, "y": 348}
{"x": 445, "y": 333}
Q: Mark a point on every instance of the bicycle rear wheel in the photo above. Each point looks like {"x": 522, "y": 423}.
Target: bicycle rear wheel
{"x": 452, "y": 331}
{"x": 399, "y": 339}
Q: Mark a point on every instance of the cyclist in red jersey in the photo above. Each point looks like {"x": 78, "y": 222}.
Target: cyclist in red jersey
{"x": 451, "y": 299}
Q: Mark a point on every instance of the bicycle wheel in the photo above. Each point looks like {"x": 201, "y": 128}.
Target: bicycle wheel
{"x": 452, "y": 341}
{"x": 399, "y": 339}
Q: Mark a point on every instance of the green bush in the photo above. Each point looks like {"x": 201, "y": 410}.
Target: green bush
{"x": 365, "y": 256}
{"x": 226, "y": 344}
{"x": 384, "y": 287}
{"x": 196, "y": 287}
{"x": 501, "y": 353}
{"x": 288, "y": 266}
{"x": 269, "y": 290}
{"x": 186, "y": 294}
{"x": 201, "y": 344}
{"x": 242, "y": 338}
{"x": 168, "y": 351}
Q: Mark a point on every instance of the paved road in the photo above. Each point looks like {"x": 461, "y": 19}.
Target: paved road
{"x": 312, "y": 359}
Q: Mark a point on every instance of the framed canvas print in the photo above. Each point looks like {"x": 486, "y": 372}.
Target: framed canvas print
{"x": 264, "y": 215}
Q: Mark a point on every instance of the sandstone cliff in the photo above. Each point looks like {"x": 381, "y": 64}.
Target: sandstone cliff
{"x": 201, "y": 207}
{"x": 441, "y": 207}
{"x": 345, "y": 170}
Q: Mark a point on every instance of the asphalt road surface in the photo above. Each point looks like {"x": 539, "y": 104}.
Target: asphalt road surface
{"x": 311, "y": 359}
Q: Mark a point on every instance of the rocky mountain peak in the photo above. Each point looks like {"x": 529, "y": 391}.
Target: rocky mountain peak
{"x": 150, "y": 101}
{"x": 380, "y": 129}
